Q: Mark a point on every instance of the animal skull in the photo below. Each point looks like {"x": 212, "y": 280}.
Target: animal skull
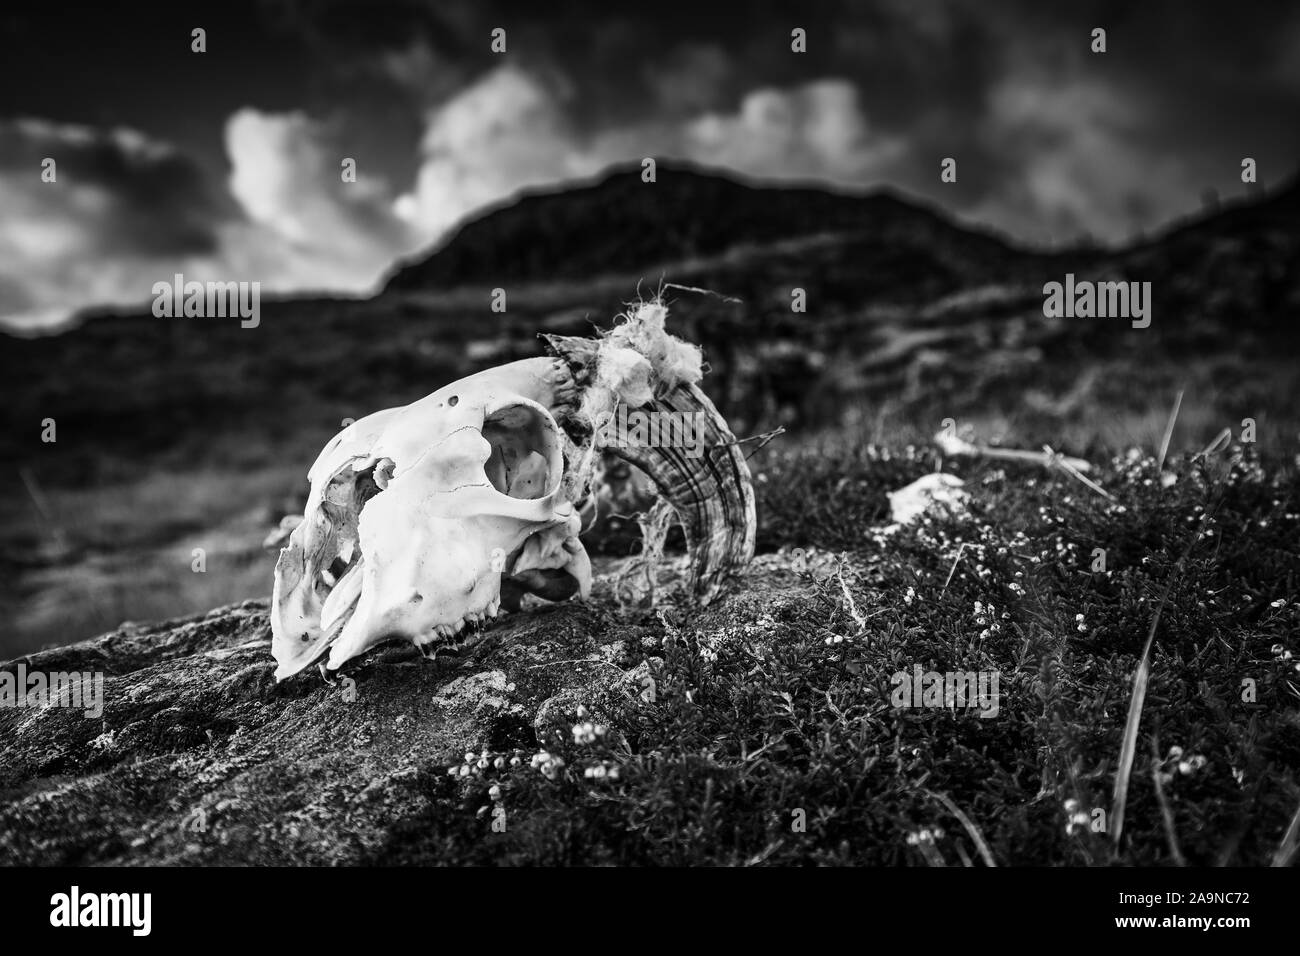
{"x": 423, "y": 520}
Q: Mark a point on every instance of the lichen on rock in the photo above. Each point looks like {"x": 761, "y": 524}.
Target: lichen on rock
{"x": 200, "y": 757}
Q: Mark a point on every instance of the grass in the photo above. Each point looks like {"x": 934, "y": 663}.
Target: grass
{"x": 125, "y": 550}
{"x": 772, "y": 737}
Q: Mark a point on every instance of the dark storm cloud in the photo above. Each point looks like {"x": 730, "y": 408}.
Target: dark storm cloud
{"x": 116, "y": 200}
{"x": 147, "y": 197}
{"x": 1051, "y": 140}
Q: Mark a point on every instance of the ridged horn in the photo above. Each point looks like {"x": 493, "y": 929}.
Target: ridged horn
{"x": 712, "y": 494}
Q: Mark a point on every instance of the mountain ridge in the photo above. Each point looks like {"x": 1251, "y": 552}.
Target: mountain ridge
{"x": 690, "y": 210}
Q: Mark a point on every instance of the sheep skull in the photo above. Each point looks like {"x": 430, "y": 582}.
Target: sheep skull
{"x": 423, "y": 519}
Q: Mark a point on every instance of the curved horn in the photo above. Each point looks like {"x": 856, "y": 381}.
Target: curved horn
{"x": 712, "y": 494}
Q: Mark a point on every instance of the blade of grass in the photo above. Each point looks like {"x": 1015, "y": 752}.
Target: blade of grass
{"x": 953, "y": 569}
{"x": 1169, "y": 432}
{"x": 1222, "y": 441}
{"x": 1128, "y": 749}
{"x": 43, "y": 510}
{"x": 1060, "y": 461}
{"x": 1290, "y": 845}
{"x": 966, "y": 822}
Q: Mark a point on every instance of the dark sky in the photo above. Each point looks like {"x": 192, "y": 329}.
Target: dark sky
{"x": 226, "y": 163}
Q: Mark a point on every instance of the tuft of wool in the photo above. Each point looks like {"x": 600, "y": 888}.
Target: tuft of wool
{"x": 637, "y": 360}
{"x": 674, "y": 361}
{"x": 627, "y": 373}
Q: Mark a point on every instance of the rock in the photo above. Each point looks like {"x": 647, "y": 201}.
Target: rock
{"x": 199, "y": 757}
{"x": 937, "y": 491}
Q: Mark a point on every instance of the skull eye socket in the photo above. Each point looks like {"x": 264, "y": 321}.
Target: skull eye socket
{"x": 526, "y": 460}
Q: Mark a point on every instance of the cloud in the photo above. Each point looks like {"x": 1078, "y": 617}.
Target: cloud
{"x": 505, "y": 132}
{"x": 286, "y": 175}
{"x": 1051, "y": 140}
{"x": 510, "y": 130}
{"x": 689, "y": 79}
{"x": 126, "y": 211}
{"x": 121, "y": 208}
{"x": 816, "y": 131}
{"x": 1076, "y": 158}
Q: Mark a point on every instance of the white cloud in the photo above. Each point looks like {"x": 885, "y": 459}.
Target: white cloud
{"x": 126, "y": 211}
{"x": 509, "y": 131}
{"x": 817, "y": 131}
{"x": 503, "y": 133}
{"x": 286, "y": 174}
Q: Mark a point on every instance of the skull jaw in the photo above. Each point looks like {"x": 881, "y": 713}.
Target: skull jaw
{"x": 440, "y": 588}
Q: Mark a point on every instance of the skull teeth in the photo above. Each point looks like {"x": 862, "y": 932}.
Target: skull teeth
{"x": 442, "y": 638}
